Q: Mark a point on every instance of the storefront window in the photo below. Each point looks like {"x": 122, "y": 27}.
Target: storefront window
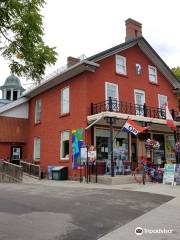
{"x": 121, "y": 146}
{"x": 169, "y": 143}
{"x": 102, "y": 143}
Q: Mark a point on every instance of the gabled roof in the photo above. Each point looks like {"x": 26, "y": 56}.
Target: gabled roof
{"x": 148, "y": 51}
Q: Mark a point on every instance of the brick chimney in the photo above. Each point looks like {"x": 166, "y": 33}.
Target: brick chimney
{"x": 72, "y": 60}
{"x": 133, "y": 29}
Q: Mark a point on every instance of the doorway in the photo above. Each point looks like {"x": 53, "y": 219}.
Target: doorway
{"x": 16, "y": 154}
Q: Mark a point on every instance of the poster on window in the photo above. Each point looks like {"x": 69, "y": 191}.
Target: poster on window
{"x": 168, "y": 176}
{"x": 177, "y": 174}
{"x": 77, "y": 140}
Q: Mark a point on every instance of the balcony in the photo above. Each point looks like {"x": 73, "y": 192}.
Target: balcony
{"x": 130, "y": 109}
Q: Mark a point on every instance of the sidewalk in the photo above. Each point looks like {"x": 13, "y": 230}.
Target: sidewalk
{"x": 164, "y": 218}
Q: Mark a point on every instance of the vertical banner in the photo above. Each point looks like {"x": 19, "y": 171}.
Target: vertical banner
{"x": 77, "y": 137}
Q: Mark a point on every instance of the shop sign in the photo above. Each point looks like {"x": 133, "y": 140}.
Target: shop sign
{"x": 169, "y": 171}
{"x": 92, "y": 153}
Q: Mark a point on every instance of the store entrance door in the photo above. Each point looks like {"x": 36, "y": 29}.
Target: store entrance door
{"x": 159, "y": 155}
{"x": 103, "y": 147}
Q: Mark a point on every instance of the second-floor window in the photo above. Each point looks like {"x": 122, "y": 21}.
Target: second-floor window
{"x": 37, "y": 143}
{"x": 38, "y": 111}
{"x": 121, "y": 65}
{"x": 162, "y": 100}
{"x": 65, "y": 100}
{"x": 111, "y": 90}
{"x": 139, "y": 96}
{"x": 152, "y": 74}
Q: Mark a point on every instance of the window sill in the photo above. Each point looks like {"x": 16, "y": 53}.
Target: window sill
{"x": 36, "y": 161}
{"x": 121, "y": 74}
{"x": 63, "y": 159}
{"x": 64, "y": 115}
{"x": 153, "y": 83}
{"x": 37, "y": 123}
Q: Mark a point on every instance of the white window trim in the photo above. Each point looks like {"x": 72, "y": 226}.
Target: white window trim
{"x": 36, "y": 120}
{"x": 37, "y": 159}
{"x": 62, "y": 100}
{"x": 149, "y": 67}
{"x": 117, "y": 90}
{"x": 141, "y": 92}
{"x": 124, "y": 59}
{"x": 160, "y": 95}
{"x": 61, "y": 146}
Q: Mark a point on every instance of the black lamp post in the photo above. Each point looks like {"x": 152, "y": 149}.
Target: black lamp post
{"x": 111, "y": 121}
{"x": 177, "y": 134}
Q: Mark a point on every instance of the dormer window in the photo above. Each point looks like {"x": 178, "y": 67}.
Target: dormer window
{"x": 152, "y": 74}
{"x": 121, "y": 65}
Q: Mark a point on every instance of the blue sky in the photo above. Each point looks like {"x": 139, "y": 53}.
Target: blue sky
{"x": 88, "y": 27}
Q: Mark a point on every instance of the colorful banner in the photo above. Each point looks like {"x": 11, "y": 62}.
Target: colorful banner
{"x": 77, "y": 140}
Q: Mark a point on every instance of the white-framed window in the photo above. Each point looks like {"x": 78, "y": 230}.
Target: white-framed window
{"x": 162, "y": 99}
{"x": 65, "y": 100}
{"x": 139, "y": 97}
{"x": 121, "y": 65}
{"x": 38, "y": 111}
{"x": 37, "y": 143}
{"x": 64, "y": 148}
{"x": 111, "y": 90}
{"x": 152, "y": 74}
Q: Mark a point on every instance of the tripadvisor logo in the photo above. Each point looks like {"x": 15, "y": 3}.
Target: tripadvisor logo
{"x": 139, "y": 231}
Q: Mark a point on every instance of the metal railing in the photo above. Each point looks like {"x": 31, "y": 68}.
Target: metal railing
{"x": 129, "y": 108}
{"x": 31, "y": 169}
{"x": 11, "y": 171}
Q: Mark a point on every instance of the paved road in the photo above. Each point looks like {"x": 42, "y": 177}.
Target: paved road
{"x": 35, "y": 212}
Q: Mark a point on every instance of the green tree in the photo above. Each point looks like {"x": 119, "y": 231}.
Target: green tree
{"x": 21, "y": 43}
{"x": 176, "y": 71}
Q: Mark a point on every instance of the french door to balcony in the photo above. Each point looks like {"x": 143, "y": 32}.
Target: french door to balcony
{"x": 139, "y": 96}
{"x": 111, "y": 90}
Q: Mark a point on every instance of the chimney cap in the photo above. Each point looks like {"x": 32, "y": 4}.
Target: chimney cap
{"x": 130, "y": 20}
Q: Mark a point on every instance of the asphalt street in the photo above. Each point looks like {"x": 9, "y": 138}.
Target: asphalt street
{"x": 36, "y": 212}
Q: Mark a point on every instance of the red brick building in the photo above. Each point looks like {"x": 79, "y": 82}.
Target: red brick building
{"x": 127, "y": 81}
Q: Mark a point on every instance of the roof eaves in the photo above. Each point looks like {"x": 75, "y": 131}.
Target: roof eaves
{"x": 163, "y": 67}
{"x": 13, "y": 104}
{"x": 114, "y": 50}
{"x": 84, "y": 65}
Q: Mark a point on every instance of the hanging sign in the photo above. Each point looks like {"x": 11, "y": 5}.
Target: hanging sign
{"x": 92, "y": 153}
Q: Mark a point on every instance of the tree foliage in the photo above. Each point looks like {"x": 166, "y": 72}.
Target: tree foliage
{"x": 176, "y": 71}
{"x": 21, "y": 33}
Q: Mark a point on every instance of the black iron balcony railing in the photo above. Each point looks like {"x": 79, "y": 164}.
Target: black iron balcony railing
{"x": 129, "y": 108}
